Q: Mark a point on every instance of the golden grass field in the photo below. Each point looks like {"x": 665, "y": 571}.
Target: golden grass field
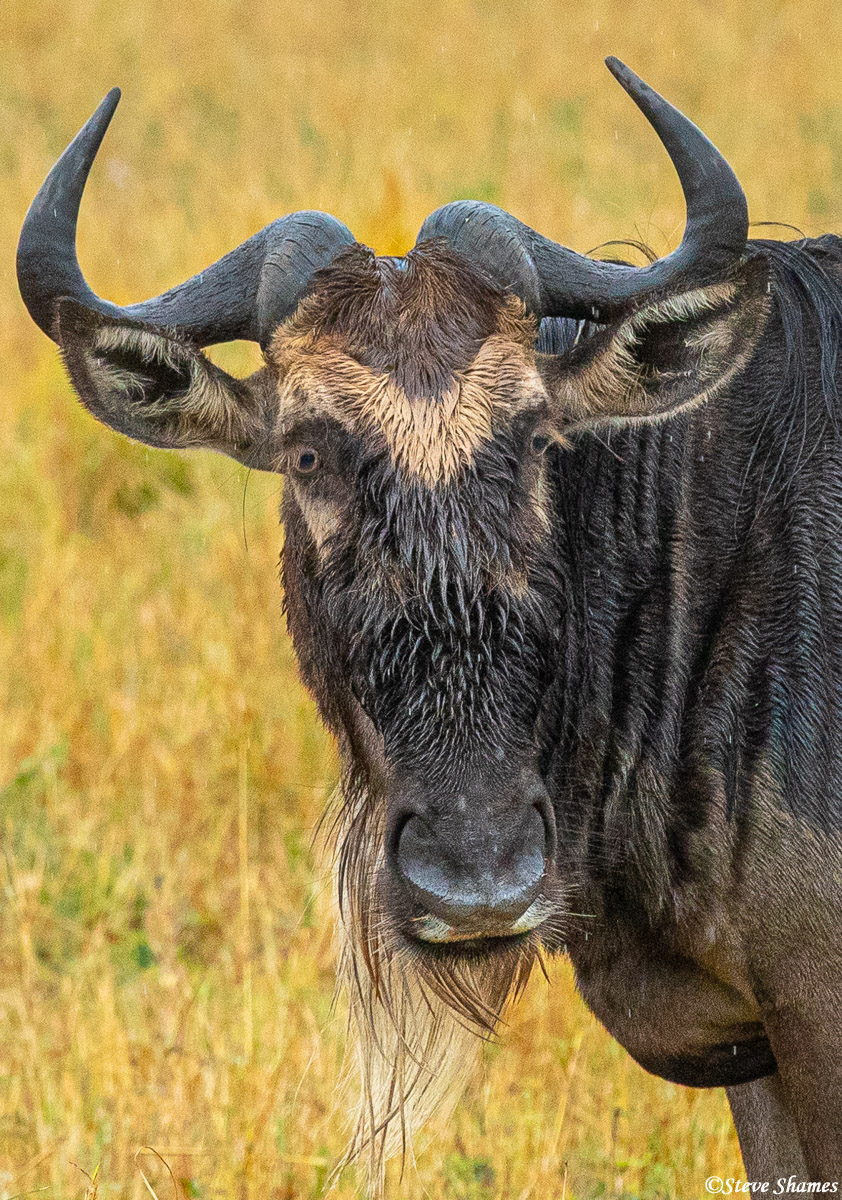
{"x": 166, "y": 945}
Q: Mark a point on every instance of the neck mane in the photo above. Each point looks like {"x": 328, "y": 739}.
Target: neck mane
{"x": 680, "y": 696}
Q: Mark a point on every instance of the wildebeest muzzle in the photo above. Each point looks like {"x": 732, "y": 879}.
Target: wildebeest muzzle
{"x": 475, "y": 863}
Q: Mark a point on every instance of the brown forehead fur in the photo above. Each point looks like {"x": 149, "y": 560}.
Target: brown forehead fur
{"x": 424, "y": 357}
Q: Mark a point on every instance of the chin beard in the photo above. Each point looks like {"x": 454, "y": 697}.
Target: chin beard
{"x": 417, "y": 1016}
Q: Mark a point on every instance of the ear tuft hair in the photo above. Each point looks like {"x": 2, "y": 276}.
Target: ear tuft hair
{"x": 155, "y": 386}
{"x": 669, "y": 355}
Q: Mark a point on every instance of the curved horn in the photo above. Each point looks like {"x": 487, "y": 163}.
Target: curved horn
{"x": 243, "y": 295}
{"x": 555, "y": 281}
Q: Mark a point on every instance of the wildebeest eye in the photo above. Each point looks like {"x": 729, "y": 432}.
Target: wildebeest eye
{"x": 539, "y": 443}
{"x": 306, "y": 462}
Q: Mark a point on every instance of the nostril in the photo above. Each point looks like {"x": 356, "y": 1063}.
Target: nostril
{"x": 394, "y": 837}
{"x": 545, "y": 811}
{"x": 420, "y": 860}
{"x": 527, "y": 864}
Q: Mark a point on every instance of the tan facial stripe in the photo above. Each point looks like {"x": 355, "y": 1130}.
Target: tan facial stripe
{"x": 433, "y": 438}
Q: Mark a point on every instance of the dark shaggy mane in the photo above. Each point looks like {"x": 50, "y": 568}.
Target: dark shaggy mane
{"x": 807, "y": 285}
{"x": 764, "y": 505}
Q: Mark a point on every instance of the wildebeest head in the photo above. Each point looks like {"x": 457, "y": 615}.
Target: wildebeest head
{"x": 411, "y": 411}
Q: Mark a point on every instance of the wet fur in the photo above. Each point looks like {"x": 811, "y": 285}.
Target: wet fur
{"x": 652, "y": 736}
{"x": 653, "y": 611}
{"x": 425, "y": 359}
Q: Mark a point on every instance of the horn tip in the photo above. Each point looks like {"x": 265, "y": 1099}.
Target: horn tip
{"x": 623, "y": 74}
{"x": 109, "y": 103}
{"x": 93, "y": 131}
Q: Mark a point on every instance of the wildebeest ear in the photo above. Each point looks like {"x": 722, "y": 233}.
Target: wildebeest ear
{"x": 668, "y": 355}
{"x": 156, "y": 387}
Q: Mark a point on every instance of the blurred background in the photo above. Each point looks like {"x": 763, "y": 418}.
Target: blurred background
{"x": 166, "y": 944}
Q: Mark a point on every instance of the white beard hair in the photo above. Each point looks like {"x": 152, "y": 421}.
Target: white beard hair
{"x": 411, "y": 1052}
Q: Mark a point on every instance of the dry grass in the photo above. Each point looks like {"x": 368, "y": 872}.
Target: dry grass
{"x": 166, "y": 955}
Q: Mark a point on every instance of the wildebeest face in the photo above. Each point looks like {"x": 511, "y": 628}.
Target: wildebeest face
{"x": 412, "y": 426}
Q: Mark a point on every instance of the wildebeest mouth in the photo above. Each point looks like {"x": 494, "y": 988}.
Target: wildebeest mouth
{"x": 434, "y": 930}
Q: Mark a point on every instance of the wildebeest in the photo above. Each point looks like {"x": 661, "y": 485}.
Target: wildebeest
{"x": 562, "y": 572}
